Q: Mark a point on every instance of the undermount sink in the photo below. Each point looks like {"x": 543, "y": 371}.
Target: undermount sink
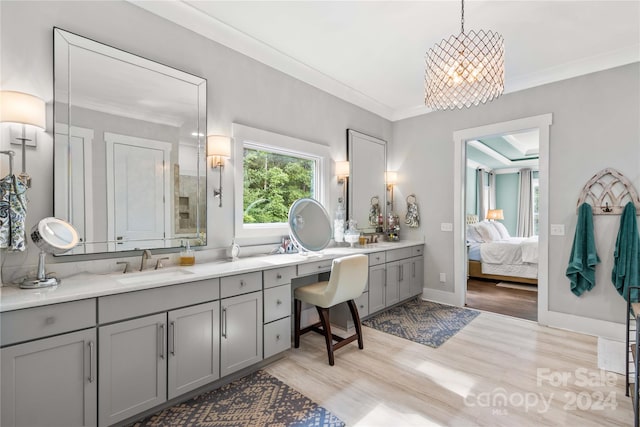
{"x": 152, "y": 276}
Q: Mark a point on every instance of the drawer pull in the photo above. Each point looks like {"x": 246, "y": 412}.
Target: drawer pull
{"x": 224, "y": 323}
{"x": 241, "y": 283}
{"x": 278, "y": 337}
{"x": 377, "y": 258}
{"x": 362, "y": 306}
{"x": 50, "y": 320}
{"x": 278, "y": 276}
{"x": 161, "y": 340}
{"x": 323, "y": 266}
{"x": 278, "y": 302}
{"x": 172, "y": 341}
{"x": 91, "y": 349}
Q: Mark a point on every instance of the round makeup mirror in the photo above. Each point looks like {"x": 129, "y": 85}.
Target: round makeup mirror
{"x": 309, "y": 225}
{"x": 52, "y": 236}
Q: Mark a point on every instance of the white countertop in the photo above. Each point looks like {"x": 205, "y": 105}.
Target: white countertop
{"x": 90, "y": 285}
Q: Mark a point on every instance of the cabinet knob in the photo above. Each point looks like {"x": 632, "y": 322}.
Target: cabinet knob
{"x": 278, "y": 276}
{"x": 278, "y": 337}
{"x": 241, "y": 283}
{"x": 278, "y": 302}
{"x": 50, "y": 320}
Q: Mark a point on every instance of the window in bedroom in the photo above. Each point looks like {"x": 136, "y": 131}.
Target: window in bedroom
{"x": 271, "y": 172}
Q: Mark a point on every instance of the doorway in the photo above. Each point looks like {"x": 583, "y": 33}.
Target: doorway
{"x": 539, "y": 124}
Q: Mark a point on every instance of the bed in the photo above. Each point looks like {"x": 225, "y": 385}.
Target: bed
{"x": 494, "y": 254}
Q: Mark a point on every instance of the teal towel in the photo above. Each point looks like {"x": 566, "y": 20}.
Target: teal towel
{"x": 626, "y": 255}
{"x": 581, "y": 270}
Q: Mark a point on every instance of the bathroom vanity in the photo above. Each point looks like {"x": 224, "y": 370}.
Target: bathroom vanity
{"x": 103, "y": 349}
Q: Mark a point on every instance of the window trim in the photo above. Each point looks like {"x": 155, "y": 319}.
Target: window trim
{"x": 281, "y": 144}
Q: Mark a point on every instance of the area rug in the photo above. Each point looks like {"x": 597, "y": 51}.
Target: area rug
{"x": 256, "y": 400}
{"x": 424, "y": 322}
{"x": 530, "y": 288}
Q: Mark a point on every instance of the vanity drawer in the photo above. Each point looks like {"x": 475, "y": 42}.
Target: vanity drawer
{"x": 278, "y": 276}
{"x": 32, "y": 323}
{"x": 277, "y": 337}
{"x": 314, "y": 267}
{"x": 376, "y": 258}
{"x": 417, "y": 250}
{"x": 112, "y": 308}
{"x": 396, "y": 254}
{"x": 240, "y": 284}
{"x": 277, "y": 303}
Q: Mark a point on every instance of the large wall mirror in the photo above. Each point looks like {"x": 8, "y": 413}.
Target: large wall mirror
{"x": 129, "y": 148}
{"x": 367, "y": 157}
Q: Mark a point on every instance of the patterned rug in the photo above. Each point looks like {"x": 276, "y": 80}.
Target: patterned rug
{"x": 424, "y": 322}
{"x": 256, "y": 400}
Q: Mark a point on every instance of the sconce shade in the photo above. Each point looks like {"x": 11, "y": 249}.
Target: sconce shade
{"x": 342, "y": 169}
{"x": 22, "y": 108}
{"x": 219, "y": 145}
{"x": 391, "y": 177}
{"x": 495, "y": 214}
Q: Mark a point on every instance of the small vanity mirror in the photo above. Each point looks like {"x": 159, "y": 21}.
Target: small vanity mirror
{"x": 129, "y": 148}
{"x": 309, "y": 225}
{"x": 367, "y": 163}
{"x": 52, "y": 236}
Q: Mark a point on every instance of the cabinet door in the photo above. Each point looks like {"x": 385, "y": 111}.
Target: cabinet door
{"x": 392, "y": 291}
{"x": 405, "y": 281}
{"x": 241, "y": 332}
{"x": 193, "y": 345}
{"x": 133, "y": 367}
{"x": 417, "y": 275}
{"x": 377, "y": 280}
{"x": 50, "y": 382}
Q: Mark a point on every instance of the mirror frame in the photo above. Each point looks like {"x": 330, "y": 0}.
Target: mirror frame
{"x": 63, "y": 122}
{"x": 353, "y": 137}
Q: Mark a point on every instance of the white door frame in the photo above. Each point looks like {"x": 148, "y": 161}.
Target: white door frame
{"x": 460, "y": 138}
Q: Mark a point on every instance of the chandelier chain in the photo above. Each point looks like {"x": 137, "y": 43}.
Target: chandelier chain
{"x": 462, "y": 18}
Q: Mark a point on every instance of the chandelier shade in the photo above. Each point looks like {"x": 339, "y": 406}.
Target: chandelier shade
{"x": 464, "y": 70}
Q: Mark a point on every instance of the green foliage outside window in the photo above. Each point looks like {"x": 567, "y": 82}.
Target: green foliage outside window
{"x": 272, "y": 182}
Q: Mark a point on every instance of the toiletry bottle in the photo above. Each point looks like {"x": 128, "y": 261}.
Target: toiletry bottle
{"x": 187, "y": 256}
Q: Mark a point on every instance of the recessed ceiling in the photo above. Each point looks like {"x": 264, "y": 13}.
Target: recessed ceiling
{"x": 510, "y": 151}
{"x": 372, "y": 53}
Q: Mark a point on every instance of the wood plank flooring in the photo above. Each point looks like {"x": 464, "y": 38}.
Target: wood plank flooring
{"x": 485, "y": 295}
{"x": 497, "y": 371}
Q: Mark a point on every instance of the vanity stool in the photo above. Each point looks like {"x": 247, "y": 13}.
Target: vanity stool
{"x": 347, "y": 281}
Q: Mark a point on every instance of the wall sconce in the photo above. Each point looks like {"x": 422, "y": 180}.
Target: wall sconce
{"x": 342, "y": 171}
{"x": 391, "y": 178}
{"x": 493, "y": 214}
{"x": 23, "y": 109}
{"x": 218, "y": 148}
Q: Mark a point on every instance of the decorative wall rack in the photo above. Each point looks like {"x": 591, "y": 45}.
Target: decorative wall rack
{"x": 608, "y": 192}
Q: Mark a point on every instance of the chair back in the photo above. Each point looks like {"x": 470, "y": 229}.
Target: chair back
{"x": 348, "y": 278}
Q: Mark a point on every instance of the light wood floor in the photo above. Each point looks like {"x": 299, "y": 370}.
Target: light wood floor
{"x": 396, "y": 382}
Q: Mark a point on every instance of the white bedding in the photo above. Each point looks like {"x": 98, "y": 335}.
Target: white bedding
{"x": 515, "y": 251}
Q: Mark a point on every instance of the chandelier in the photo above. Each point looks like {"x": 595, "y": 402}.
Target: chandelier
{"x": 465, "y": 70}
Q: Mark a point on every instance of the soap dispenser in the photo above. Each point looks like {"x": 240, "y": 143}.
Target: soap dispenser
{"x": 187, "y": 256}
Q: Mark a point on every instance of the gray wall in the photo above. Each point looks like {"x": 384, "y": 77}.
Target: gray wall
{"x": 595, "y": 125}
{"x": 240, "y": 90}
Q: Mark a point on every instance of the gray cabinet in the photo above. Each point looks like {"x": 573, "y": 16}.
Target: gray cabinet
{"x": 133, "y": 367}
{"x": 405, "y": 281}
{"x": 377, "y": 287}
{"x": 392, "y": 289}
{"x": 193, "y": 348}
{"x": 417, "y": 275}
{"x": 241, "y": 332}
{"x": 50, "y": 382}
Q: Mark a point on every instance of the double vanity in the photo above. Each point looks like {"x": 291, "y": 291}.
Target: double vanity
{"x": 103, "y": 349}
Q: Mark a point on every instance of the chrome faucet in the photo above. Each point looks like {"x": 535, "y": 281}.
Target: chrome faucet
{"x": 146, "y": 254}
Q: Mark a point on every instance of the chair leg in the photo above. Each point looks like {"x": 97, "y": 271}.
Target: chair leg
{"x": 326, "y": 326}
{"x": 356, "y": 322}
{"x": 298, "y": 310}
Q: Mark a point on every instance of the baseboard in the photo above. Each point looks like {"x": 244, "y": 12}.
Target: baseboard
{"x": 585, "y": 325}
{"x": 437, "y": 295}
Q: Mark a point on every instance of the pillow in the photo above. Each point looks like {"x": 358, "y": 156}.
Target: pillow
{"x": 488, "y": 232}
{"x": 472, "y": 234}
{"x": 502, "y": 230}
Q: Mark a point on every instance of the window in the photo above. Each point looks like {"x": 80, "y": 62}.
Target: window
{"x": 535, "y": 193}
{"x": 275, "y": 170}
{"x": 272, "y": 182}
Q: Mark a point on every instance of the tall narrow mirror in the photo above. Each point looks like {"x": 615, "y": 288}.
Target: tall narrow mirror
{"x": 367, "y": 191}
{"x": 129, "y": 148}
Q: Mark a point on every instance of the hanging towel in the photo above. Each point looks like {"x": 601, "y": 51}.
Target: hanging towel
{"x": 13, "y": 212}
{"x": 626, "y": 256}
{"x": 581, "y": 270}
